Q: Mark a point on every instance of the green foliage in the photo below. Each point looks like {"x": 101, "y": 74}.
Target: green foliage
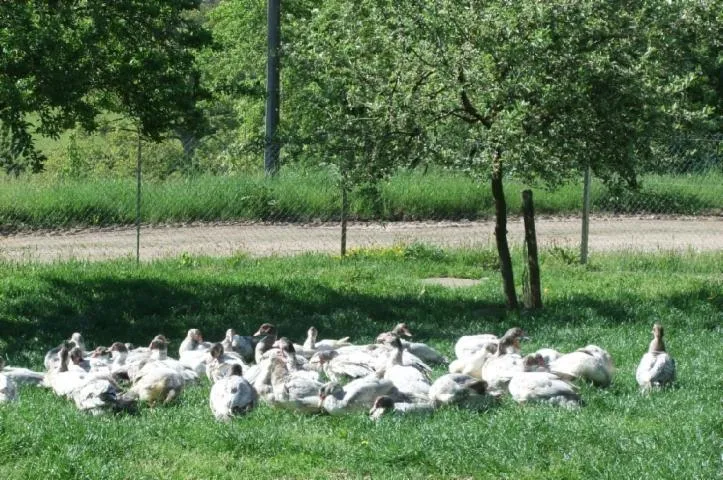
{"x": 66, "y": 62}
{"x": 613, "y": 306}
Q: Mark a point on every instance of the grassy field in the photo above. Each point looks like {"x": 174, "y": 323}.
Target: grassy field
{"x": 301, "y": 196}
{"x": 613, "y": 302}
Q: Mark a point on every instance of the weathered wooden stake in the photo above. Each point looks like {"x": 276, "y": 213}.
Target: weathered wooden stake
{"x": 503, "y": 249}
{"x": 533, "y": 266}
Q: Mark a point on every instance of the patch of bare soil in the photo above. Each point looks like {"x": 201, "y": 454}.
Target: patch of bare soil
{"x": 649, "y": 233}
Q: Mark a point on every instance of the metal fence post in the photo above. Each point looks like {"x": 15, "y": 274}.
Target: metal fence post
{"x": 138, "y": 199}
{"x": 273, "y": 22}
{"x": 585, "y": 216}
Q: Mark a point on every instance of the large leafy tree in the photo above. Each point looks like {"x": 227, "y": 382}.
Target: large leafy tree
{"x": 540, "y": 89}
{"x": 64, "y": 62}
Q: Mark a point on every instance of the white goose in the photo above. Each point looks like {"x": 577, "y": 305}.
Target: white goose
{"x": 386, "y": 405}
{"x": 241, "y": 345}
{"x": 65, "y": 379}
{"x": 8, "y": 390}
{"x": 543, "y": 387}
{"x": 20, "y": 375}
{"x": 467, "y": 345}
{"x": 51, "y": 357}
{"x": 193, "y": 341}
{"x": 356, "y": 395}
{"x": 461, "y": 390}
{"x": 293, "y": 392}
{"x": 591, "y": 363}
{"x": 423, "y": 351}
{"x": 232, "y": 395}
{"x": 408, "y": 379}
{"x": 100, "y": 395}
{"x": 220, "y": 363}
{"x": 657, "y": 367}
{"x": 472, "y": 365}
{"x": 498, "y": 370}
{"x": 313, "y": 345}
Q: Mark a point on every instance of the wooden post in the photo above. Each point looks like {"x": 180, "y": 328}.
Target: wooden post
{"x": 528, "y": 211}
{"x": 503, "y": 249}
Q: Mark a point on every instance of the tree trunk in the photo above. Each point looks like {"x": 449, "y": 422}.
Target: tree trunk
{"x": 533, "y": 266}
{"x": 503, "y": 249}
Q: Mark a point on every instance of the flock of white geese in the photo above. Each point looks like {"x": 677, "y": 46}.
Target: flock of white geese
{"x": 332, "y": 376}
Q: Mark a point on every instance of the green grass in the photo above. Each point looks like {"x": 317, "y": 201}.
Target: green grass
{"x": 302, "y": 196}
{"x": 612, "y": 302}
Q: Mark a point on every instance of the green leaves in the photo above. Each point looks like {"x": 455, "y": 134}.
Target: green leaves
{"x": 64, "y": 62}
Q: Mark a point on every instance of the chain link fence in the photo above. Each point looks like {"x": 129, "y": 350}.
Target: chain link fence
{"x": 678, "y": 206}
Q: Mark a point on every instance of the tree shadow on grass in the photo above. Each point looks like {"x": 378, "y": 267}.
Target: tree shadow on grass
{"x": 134, "y": 310}
{"x": 108, "y": 309}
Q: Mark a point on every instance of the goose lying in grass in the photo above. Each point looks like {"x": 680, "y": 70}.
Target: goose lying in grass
{"x": 8, "y": 390}
{"x": 193, "y": 341}
{"x": 220, "y": 363}
{"x": 20, "y": 375}
{"x": 357, "y": 395}
{"x": 543, "y": 387}
{"x": 101, "y": 395}
{"x": 468, "y": 345}
{"x": 461, "y": 390}
{"x": 592, "y": 364}
{"x": 386, "y": 405}
{"x": 657, "y": 367}
{"x": 409, "y": 379}
{"x": 232, "y": 395}
{"x": 498, "y": 370}
{"x": 241, "y": 345}
{"x": 51, "y": 357}
{"x": 65, "y": 378}
{"x": 472, "y": 365}
{"x": 313, "y": 345}
{"x": 423, "y": 351}
{"x": 294, "y": 392}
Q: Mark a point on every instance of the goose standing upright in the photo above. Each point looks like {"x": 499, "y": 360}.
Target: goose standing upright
{"x": 657, "y": 367}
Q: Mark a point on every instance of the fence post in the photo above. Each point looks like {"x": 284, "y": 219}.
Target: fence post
{"x": 273, "y": 25}
{"x": 138, "y": 199}
{"x": 533, "y": 265}
{"x": 585, "y": 216}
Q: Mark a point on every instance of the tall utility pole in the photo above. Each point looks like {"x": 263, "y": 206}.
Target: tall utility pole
{"x": 272, "y": 147}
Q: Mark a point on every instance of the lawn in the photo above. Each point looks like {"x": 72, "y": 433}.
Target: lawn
{"x": 612, "y": 302}
{"x": 303, "y": 196}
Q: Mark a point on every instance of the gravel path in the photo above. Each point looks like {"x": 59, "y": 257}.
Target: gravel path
{"x": 606, "y": 233}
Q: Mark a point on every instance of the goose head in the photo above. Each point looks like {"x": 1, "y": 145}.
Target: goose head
{"x": 657, "y": 344}
{"x": 402, "y": 329}
{"x": 510, "y": 341}
{"x": 216, "y": 351}
{"x": 236, "y": 370}
{"x": 118, "y": 351}
{"x": 159, "y": 349}
{"x": 381, "y": 406}
{"x": 76, "y": 355}
{"x": 266, "y": 329}
{"x": 331, "y": 389}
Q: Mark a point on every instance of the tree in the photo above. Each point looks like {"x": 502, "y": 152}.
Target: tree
{"x": 348, "y": 85}
{"x": 538, "y": 90}
{"x": 65, "y": 62}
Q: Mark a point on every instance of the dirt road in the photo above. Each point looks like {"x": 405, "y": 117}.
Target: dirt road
{"x": 606, "y": 233}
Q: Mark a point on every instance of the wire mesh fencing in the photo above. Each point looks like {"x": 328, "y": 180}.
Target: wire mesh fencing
{"x": 225, "y": 212}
